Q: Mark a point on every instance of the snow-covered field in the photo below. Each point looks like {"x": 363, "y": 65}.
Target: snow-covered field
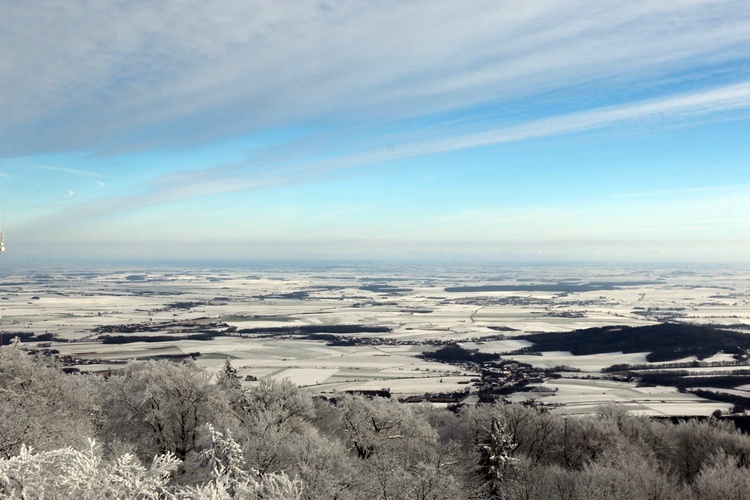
{"x": 577, "y": 396}
{"x": 586, "y": 363}
{"x": 412, "y": 301}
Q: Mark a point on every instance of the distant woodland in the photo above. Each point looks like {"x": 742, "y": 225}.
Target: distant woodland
{"x": 664, "y": 342}
{"x": 165, "y": 429}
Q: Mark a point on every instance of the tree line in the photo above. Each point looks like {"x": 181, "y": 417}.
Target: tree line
{"x": 163, "y": 429}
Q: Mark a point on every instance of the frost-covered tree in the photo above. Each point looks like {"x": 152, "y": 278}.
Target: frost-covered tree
{"x": 229, "y": 381}
{"x": 42, "y": 407}
{"x": 375, "y": 424}
{"x": 70, "y": 473}
{"x": 230, "y": 477}
{"x": 274, "y": 414}
{"x": 623, "y": 476}
{"x": 281, "y": 401}
{"x": 722, "y": 478}
{"x": 691, "y": 443}
{"x": 159, "y": 406}
{"x": 532, "y": 430}
{"x": 228, "y": 378}
{"x": 399, "y": 453}
{"x": 324, "y": 466}
{"x": 585, "y": 439}
{"x": 496, "y": 462}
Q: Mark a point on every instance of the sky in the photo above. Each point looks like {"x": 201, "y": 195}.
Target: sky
{"x": 474, "y": 131}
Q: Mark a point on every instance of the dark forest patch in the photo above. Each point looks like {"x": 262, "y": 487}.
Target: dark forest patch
{"x": 664, "y": 342}
{"x": 454, "y": 353}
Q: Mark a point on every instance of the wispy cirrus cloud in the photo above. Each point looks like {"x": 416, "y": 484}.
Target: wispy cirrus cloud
{"x": 172, "y": 74}
{"x": 716, "y": 103}
{"x": 72, "y": 171}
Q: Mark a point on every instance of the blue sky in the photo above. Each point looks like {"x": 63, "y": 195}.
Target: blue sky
{"x": 492, "y": 131}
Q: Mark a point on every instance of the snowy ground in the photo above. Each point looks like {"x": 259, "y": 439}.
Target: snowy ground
{"x": 576, "y": 396}
{"x": 414, "y": 304}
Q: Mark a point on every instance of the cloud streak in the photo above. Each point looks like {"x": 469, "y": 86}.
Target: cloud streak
{"x": 72, "y": 171}
{"x": 715, "y": 103}
{"x": 144, "y": 75}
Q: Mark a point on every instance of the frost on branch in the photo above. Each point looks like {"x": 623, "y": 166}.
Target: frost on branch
{"x": 70, "y": 473}
{"x": 231, "y": 479}
{"x": 496, "y": 461}
{"x": 224, "y": 456}
{"x": 42, "y": 407}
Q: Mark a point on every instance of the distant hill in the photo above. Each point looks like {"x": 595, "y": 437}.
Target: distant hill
{"x": 664, "y": 342}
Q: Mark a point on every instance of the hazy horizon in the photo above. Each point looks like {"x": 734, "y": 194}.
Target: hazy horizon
{"x": 376, "y": 269}
{"x": 479, "y": 131}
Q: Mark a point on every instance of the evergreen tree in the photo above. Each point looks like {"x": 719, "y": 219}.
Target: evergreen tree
{"x": 496, "y": 462}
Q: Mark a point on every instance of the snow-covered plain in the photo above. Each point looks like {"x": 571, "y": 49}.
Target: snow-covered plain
{"x": 410, "y": 300}
{"x": 583, "y": 396}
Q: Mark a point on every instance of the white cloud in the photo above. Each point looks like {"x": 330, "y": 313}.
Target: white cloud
{"x": 233, "y": 178}
{"x": 72, "y": 171}
{"x": 104, "y": 75}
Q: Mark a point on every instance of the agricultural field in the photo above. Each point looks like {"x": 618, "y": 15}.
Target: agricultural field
{"x": 343, "y": 328}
